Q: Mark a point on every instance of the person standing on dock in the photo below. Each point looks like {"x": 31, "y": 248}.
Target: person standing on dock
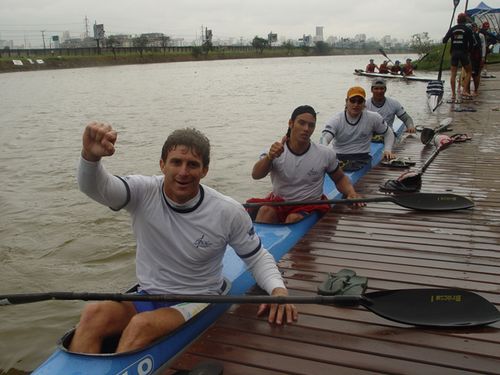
{"x": 182, "y": 229}
{"x": 388, "y": 107}
{"x": 297, "y": 167}
{"x": 490, "y": 40}
{"x": 477, "y": 57}
{"x": 461, "y": 44}
{"x": 352, "y": 129}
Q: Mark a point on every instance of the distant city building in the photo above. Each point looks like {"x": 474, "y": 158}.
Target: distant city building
{"x": 65, "y": 36}
{"x": 361, "y": 38}
{"x": 6, "y": 44}
{"x": 155, "y": 39}
{"x": 319, "y": 34}
{"x": 306, "y": 40}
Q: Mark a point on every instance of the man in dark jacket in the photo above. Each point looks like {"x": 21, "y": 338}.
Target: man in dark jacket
{"x": 461, "y": 45}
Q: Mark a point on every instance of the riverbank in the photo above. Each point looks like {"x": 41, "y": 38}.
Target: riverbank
{"x": 18, "y": 62}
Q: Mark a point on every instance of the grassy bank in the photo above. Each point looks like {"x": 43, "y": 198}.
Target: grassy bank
{"x": 433, "y": 59}
{"x": 109, "y": 59}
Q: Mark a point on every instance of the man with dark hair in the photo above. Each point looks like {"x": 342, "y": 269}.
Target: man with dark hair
{"x": 182, "y": 229}
{"x": 461, "y": 44}
{"x": 490, "y": 40}
{"x": 388, "y": 107}
{"x": 384, "y": 68}
{"x": 407, "y": 68}
{"x": 477, "y": 57}
{"x": 396, "y": 68}
{"x": 297, "y": 167}
{"x": 371, "y": 66}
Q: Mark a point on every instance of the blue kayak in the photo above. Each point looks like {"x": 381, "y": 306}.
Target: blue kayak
{"x": 156, "y": 358}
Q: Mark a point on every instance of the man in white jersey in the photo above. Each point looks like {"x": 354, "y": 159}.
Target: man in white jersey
{"x": 388, "y": 107}
{"x": 182, "y": 229}
{"x": 297, "y": 167}
{"x": 352, "y": 129}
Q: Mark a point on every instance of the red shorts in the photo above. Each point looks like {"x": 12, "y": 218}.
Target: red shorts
{"x": 284, "y": 211}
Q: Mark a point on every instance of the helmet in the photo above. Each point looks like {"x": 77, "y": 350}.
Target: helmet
{"x": 486, "y": 25}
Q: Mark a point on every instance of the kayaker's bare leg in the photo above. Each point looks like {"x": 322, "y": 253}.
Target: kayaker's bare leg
{"x": 453, "y": 82}
{"x": 292, "y": 218}
{"x": 466, "y": 84}
{"x": 267, "y": 214}
{"x": 100, "y": 320}
{"x": 147, "y": 326}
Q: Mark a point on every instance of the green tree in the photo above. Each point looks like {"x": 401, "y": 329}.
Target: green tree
{"x": 289, "y": 46}
{"x": 421, "y": 43}
{"x": 112, "y": 43}
{"x": 207, "y": 46}
{"x": 165, "y": 40}
{"x": 140, "y": 43}
{"x": 322, "y": 48}
{"x": 259, "y": 43}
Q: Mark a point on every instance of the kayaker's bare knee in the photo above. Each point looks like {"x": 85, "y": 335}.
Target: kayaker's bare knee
{"x": 266, "y": 214}
{"x": 294, "y": 217}
{"x": 146, "y": 327}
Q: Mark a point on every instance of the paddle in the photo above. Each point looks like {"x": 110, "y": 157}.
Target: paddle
{"x": 385, "y": 55}
{"x": 435, "y": 91}
{"x": 455, "y": 4}
{"x": 428, "y": 134}
{"x": 419, "y": 307}
{"x": 412, "y": 181}
{"x": 418, "y": 201}
{"x": 420, "y": 60}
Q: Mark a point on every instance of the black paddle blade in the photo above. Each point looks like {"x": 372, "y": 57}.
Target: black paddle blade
{"x": 444, "y": 308}
{"x": 426, "y": 135}
{"x": 433, "y": 201}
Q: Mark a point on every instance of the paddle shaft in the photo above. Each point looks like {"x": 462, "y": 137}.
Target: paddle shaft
{"x": 324, "y": 201}
{"x": 455, "y": 4}
{"x": 383, "y": 53}
{"x": 429, "y": 307}
{"x": 429, "y": 160}
{"x": 16, "y": 299}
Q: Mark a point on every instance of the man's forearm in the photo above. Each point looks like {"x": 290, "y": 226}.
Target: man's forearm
{"x": 262, "y": 168}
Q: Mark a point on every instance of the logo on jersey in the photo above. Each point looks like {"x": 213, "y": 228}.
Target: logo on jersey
{"x": 313, "y": 172}
{"x": 202, "y": 243}
{"x": 251, "y": 232}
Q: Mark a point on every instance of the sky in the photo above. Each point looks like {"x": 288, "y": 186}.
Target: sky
{"x": 24, "y": 20}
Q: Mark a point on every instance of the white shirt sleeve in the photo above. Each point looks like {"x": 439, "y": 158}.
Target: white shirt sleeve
{"x": 248, "y": 246}
{"x": 100, "y": 185}
{"x": 389, "y": 140}
{"x": 265, "y": 271}
{"x": 326, "y": 138}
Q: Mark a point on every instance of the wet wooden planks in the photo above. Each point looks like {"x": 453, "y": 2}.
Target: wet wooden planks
{"x": 396, "y": 249}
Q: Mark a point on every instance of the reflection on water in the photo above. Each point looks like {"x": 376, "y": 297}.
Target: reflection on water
{"x": 54, "y": 238}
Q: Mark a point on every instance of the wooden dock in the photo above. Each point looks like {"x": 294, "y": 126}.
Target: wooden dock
{"x": 395, "y": 248}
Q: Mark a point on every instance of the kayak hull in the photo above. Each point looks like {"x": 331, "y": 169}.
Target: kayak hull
{"x": 360, "y": 72}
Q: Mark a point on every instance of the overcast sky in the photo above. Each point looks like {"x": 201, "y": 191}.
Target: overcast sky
{"x": 25, "y": 19}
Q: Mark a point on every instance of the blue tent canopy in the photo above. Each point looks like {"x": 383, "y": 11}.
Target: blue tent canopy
{"x": 482, "y": 8}
{"x": 484, "y": 13}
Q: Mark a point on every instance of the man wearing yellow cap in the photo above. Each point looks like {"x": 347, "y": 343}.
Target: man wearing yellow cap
{"x": 352, "y": 129}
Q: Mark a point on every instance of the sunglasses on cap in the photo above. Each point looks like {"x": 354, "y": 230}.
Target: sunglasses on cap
{"x": 357, "y": 100}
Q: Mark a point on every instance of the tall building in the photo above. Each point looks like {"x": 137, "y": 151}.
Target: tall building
{"x": 319, "y": 34}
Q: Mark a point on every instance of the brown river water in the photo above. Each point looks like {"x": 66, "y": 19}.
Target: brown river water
{"x": 53, "y": 238}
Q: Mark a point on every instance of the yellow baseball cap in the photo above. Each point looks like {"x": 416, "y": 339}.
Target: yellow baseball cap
{"x": 356, "y": 91}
